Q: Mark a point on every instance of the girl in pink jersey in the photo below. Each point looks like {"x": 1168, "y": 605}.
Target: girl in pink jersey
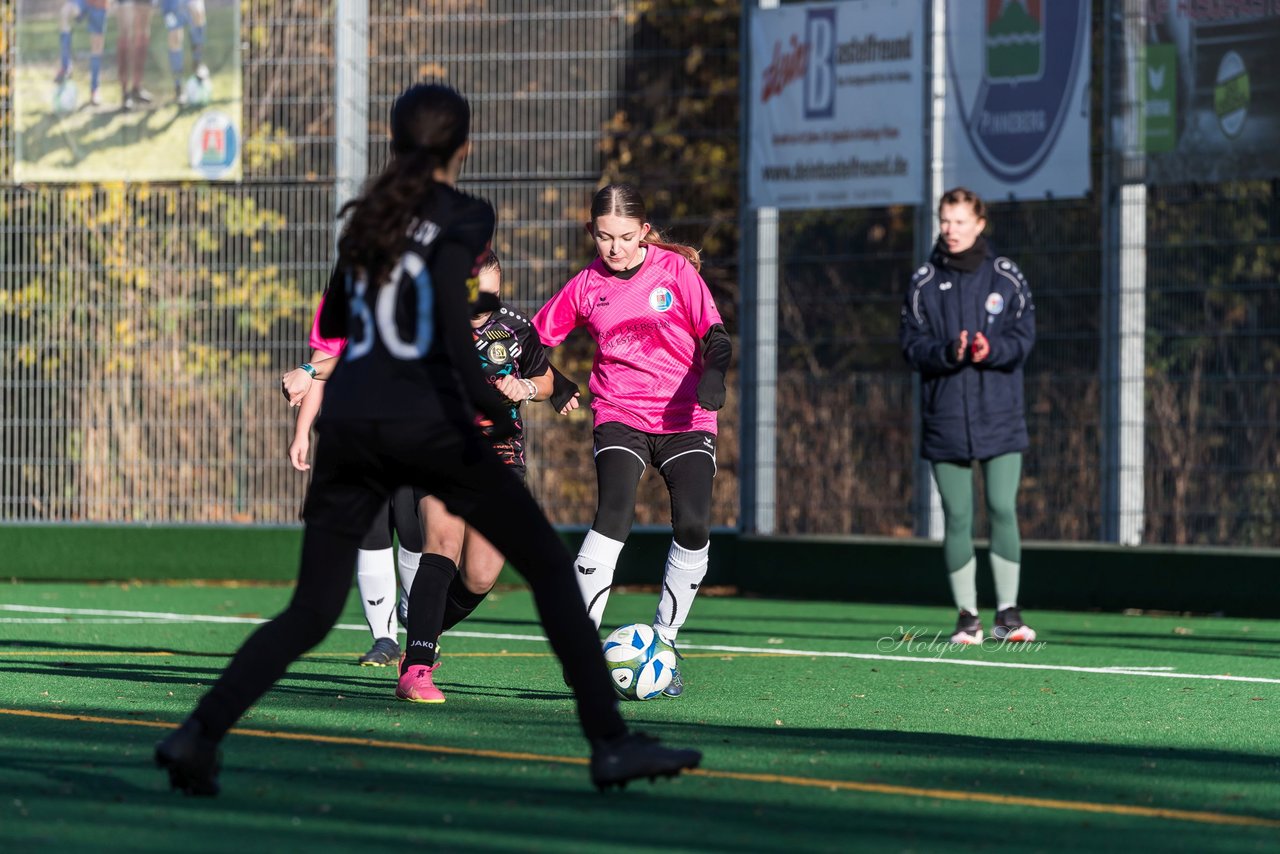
{"x": 657, "y": 382}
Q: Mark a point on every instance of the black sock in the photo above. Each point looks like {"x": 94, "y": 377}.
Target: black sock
{"x": 460, "y": 604}
{"x": 426, "y": 608}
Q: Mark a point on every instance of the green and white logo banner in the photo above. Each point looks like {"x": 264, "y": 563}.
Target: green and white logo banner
{"x": 1209, "y": 98}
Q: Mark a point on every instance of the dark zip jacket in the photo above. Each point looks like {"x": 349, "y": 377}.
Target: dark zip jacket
{"x": 969, "y": 411}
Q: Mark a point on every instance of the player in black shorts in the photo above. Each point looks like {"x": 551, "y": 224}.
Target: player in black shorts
{"x": 459, "y": 567}
{"x": 400, "y": 408}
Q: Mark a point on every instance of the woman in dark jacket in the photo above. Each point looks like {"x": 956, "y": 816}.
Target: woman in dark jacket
{"x": 968, "y": 325}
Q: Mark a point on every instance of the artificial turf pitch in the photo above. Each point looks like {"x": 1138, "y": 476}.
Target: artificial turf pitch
{"x": 822, "y": 731}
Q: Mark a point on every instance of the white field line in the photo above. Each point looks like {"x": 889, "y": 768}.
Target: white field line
{"x": 937, "y": 658}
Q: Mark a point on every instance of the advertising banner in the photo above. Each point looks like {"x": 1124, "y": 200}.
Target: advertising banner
{"x": 1017, "y": 121}
{"x": 837, "y": 103}
{"x": 127, "y": 90}
{"x": 1209, "y": 90}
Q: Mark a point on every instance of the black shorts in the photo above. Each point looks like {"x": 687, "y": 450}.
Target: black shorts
{"x": 656, "y": 449}
{"x": 358, "y": 463}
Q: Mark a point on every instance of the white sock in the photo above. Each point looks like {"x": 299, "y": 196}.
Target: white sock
{"x": 376, "y": 578}
{"x": 408, "y": 562}
{"x": 964, "y": 586}
{"x": 685, "y": 570}
{"x": 597, "y": 559}
{"x": 1006, "y": 574}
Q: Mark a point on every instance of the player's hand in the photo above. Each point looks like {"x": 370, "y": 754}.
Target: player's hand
{"x": 298, "y": 452}
{"x": 981, "y": 347}
{"x": 513, "y": 388}
{"x": 564, "y": 393}
{"x": 958, "y": 350}
{"x": 571, "y": 404}
{"x": 294, "y": 386}
{"x": 711, "y": 391}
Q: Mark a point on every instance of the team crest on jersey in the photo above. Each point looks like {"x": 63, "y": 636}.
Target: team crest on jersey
{"x": 660, "y": 299}
{"x": 498, "y": 353}
{"x": 995, "y": 303}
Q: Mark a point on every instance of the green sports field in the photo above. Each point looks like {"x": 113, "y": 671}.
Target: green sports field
{"x": 822, "y": 731}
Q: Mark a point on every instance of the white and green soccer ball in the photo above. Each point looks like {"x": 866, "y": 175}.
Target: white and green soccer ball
{"x": 66, "y": 97}
{"x": 640, "y": 665}
{"x": 199, "y": 90}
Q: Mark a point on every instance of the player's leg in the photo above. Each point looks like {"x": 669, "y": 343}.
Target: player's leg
{"x": 97, "y": 44}
{"x": 436, "y": 571}
{"x": 687, "y": 463}
{"x": 621, "y": 455}
{"x": 479, "y": 570}
{"x": 481, "y": 565}
{"x": 341, "y": 502}
{"x": 376, "y": 582}
{"x": 407, "y": 519}
{"x": 129, "y": 60}
{"x": 175, "y": 25}
{"x": 473, "y": 484}
{"x": 67, "y": 17}
{"x": 955, "y": 486}
{"x": 141, "y": 46}
{"x": 197, "y": 22}
{"x": 510, "y": 519}
{"x": 1001, "y": 476}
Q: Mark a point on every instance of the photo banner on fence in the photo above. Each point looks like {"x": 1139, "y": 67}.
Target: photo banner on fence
{"x": 1018, "y": 98}
{"x": 1207, "y": 84}
{"x": 127, "y": 91}
{"x": 837, "y": 103}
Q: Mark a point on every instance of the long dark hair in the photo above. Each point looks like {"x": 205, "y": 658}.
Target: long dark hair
{"x": 624, "y": 200}
{"x": 429, "y": 123}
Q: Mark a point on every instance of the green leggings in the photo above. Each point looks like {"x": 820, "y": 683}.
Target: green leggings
{"x": 1000, "y": 475}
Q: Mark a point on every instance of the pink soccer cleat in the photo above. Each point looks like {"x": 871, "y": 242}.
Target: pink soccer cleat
{"x": 416, "y": 685}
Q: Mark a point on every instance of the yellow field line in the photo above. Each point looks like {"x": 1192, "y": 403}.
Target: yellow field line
{"x": 1197, "y": 816}
{"x": 81, "y": 652}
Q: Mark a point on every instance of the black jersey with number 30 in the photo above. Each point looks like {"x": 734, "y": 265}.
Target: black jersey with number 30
{"x": 405, "y": 338}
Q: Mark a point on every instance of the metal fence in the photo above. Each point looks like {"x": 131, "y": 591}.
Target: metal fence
{"x": 143, "y": 328}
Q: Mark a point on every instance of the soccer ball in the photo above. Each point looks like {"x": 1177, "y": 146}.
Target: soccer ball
{"x": 199, "y": 90}
{"x": 66, "y": 97}
{"x": 639, "y": 665}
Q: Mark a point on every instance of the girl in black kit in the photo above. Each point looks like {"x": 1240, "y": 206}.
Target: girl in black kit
{"x": 395, "y": 413}
{"x": 459, "y": 567}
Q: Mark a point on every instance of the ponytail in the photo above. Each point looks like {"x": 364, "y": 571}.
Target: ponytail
{"x": 692, "y": 255}
{"x": 382, "y": 215}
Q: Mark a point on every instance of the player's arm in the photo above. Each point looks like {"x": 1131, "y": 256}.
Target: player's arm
{"x": 297, "y": 383}
{"x": 1010, "y": 349}
{"x": 922, "y": 350}
{"x": 564, "y": 392}
{"x": 525, "y": 389}
{"x": 300, "y": 447}
{"x": 717, "y": 352}
{"x": 535, "y": 381}
{"x": 450, "y": 270}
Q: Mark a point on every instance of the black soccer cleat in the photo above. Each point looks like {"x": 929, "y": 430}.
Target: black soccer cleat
{"x": 634, "y": 755}
{"x": 385, "y": 651}
{"x": 191, "y": 758}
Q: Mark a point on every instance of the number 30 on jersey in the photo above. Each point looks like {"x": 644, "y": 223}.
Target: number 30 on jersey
{"x": 381, "y": 321}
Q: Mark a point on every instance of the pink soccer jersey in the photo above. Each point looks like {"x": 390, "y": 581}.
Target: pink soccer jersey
{"x": 648, "y": 331}
{"x": 328, "y": 346}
